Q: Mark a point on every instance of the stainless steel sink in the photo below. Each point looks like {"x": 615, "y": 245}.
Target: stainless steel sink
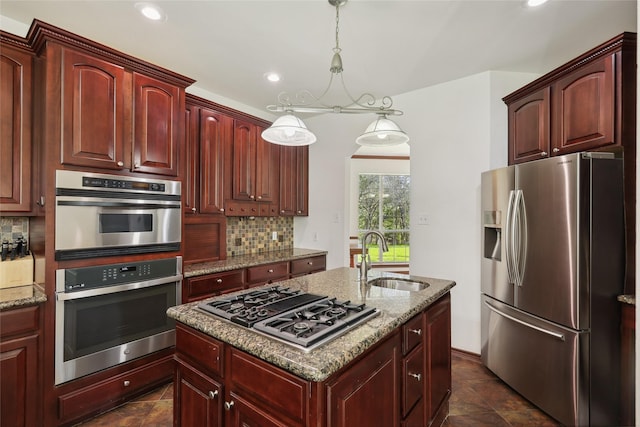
{"x": 398, "y": 283}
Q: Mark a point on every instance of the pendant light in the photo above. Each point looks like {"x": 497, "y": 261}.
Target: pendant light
{"x": 290, "y": 129}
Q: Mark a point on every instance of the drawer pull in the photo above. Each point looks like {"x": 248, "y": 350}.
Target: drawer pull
{"x": 270, "y": 270}
{"x": 310, "y": 263}
{"x": 229, "y": 405}
{"x": 213, "y": 394}
{"x": 120, "y": 164}
{"x": 544, "y": 154}
{"x": 126, "y": 383}
{"x": 418, "y": 377}
{"x": 219, "y": 281}
{"x": 556, "y": 150}
{"x": 416, "y": 331}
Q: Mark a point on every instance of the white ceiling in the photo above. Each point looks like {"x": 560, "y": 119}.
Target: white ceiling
{"x": 388, "y": 47}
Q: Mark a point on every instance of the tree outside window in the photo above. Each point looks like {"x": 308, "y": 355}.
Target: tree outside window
{"x": 383, "y": 206}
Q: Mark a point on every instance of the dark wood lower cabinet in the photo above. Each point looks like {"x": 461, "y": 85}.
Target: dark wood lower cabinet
{"x": 20, "y": 389}
{"x": 404, "y": 380}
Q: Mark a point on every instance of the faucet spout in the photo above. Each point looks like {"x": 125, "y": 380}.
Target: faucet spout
{"x": 365, "y": 264}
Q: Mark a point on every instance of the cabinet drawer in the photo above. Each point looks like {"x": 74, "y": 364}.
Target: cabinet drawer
{"x": 239, "y": 208}
{"x": 307, "y": 265}
{"x": 412, "y": 333}
{"x": 273, "y": 388}
{"x": 204, "y": 350}
{"x": 19, "y": 321}
{"x": 101, "y": 395}
{"x": 213, "y": 284}
{"x": 267, "y": 273}
{"x": 412, "y": 380}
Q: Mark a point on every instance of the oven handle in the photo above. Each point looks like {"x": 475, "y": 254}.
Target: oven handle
{"x": 124, "y": 205}
{"x": 64, "y": 296}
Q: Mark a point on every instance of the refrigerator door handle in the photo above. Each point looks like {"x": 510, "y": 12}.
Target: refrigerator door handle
{"x": 520, "y": 237}
{"x": 508, "y": 236}
{"x": 522, "y": 322}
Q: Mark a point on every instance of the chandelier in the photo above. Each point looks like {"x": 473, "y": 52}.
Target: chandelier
{"x": 291, "y": 130}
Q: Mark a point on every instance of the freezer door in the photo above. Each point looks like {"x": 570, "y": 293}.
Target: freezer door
{"x": 496, "y": 186}
{"x": 547, "y": 284}
{"x": 544, "y": 362}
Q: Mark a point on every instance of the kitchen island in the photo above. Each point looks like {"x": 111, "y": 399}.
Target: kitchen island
{"x": 393, "y": 369}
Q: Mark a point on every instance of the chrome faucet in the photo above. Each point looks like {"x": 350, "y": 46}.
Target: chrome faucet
{"x": 365, "y": 264}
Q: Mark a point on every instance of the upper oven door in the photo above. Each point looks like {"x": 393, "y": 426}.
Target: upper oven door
{"x": 102, "y": 215}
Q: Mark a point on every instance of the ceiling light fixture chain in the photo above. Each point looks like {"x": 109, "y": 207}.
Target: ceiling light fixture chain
{"x": 290, "y": 130}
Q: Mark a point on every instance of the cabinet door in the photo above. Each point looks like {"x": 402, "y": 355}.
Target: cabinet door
{"x": 267, "y": 169}
{"x": 215, "y": 174}
{"x": 93, "y": 115}
{"x": 198, "y": 399}
{"x": 191, "y": 186}
{"x": 294, "y": 181}
{"x": 15, "y": 132}
{"x": 438, "y": 350}
{"x": 584, "y": 108}
{"x": 244, "y": 161}
{"x": 158, "y": 121}
{"x": 19, "y": 382}
{"x": 529, "y": 127}
{"x": 242, "y": 413}
{"x": 367, "y": 393}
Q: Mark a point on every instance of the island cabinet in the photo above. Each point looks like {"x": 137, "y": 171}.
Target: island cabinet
{"x": 402, "y": 380}
{"x": 294, "y": 181}
{"x": 586, "y": 104}
{"x": 20, "y": 379}
{"x": 16, "y": 73}
{"x": 107, "y": 110}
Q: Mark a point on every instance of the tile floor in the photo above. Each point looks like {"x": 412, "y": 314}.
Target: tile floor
{"x": 478, "y": 399}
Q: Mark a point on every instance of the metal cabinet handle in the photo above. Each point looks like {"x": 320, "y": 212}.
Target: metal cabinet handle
{"x": 418, "y": 377}
{"x": 544, "y": 154}
{"x": 310, "y": 263}
{"x": 556, "y": 150}
{"x": 299, "y": 212}
{"x": 213, "y": 394}
{"x": 259, "y": 197}
{"x": 221, "y": 209}
{"x": 282, "y": 211}
{"x": 229, "y": 405}
{"x": 252, "y": 197}
{"x": 136, "y": 165}
{"x": 416, "y": 331}
{"x": 193, "y": 210}
{"x": 120, "y": 164}
{"x": 219, "y": 281}
{"x": 270, "y": 270}
{"x": 126, "y": 383}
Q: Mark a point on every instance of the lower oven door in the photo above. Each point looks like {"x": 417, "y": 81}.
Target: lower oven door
{"x": 101, "y": 328}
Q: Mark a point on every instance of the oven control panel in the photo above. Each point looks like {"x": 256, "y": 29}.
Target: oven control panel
{"x": 77, "y": 279}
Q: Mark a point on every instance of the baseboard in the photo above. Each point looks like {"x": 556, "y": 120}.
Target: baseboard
{"x": 467, "y": 355}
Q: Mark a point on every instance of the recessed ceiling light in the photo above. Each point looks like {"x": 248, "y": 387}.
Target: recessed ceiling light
{"x": 272, "y": 77}
{"x": 151, "y": 11}
{"x": 534, "y": 3}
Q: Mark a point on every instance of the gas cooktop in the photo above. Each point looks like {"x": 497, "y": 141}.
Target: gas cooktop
{"x": 300, "y": 319}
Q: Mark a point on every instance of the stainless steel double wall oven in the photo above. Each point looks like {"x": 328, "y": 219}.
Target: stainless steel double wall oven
{"x": 107, "y": 314}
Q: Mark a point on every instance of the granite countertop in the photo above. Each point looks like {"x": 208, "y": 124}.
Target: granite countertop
{"x": 21, "y": 296}
{"x": 249, "y": 260}
{"x": 396, "y": 307}
{"x": 627, "y": 299}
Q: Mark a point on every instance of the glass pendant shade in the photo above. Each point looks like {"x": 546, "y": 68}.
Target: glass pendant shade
{"x": 288, "y": 130}
{"x": 382, "y": 132}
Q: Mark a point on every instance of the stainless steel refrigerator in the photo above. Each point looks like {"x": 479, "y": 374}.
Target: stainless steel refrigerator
{"x": 552, "y": 268}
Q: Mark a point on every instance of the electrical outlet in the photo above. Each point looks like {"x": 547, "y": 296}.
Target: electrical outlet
{"x": 274, "y": 236}
{"x": 423, "y": 219}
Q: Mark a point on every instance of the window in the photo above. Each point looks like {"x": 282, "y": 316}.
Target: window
{"x": 383, "y": 205}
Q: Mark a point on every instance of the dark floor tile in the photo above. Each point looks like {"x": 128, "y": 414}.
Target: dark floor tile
{"x": 483, "y": 419}
{"x": 131, "y": 414}
{"x": 529, "y": 418}
{"x": 467, "y": 401}
{"x": 161, "y": 415}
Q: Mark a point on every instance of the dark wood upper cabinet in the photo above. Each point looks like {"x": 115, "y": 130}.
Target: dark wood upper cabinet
{"x": 586, "y": 104}
{"x": 215, "y": 138}
{"x": 158, "y": 108}
{"x": 584, "y": 108}
{"x": 529, "y": 127}
{"x": 93, "y": 113}
{"x": 244, "y": 161}
{"x": 294, "y": 181}
{"x": 16, "y": 70}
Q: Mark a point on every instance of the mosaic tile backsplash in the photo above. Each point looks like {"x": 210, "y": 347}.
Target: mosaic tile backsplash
{"x": 13, "y": 227}
{"x": 252, "y": 236}
{"x": 244, "y": 235}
